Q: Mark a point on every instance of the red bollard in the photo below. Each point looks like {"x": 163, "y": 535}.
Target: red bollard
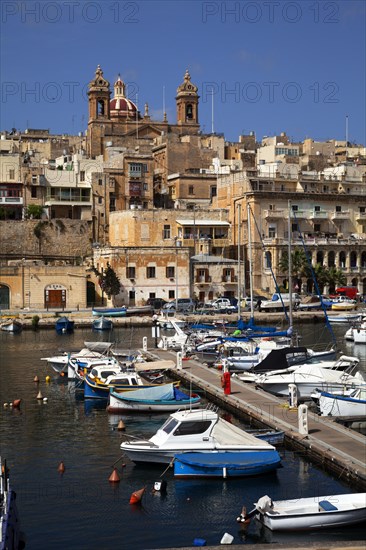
{"x": 226, "y": 382}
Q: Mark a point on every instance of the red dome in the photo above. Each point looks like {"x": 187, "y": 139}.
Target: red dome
{"x": 123, "y": 106}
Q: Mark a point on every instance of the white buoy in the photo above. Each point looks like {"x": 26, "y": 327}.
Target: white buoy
{"x": 45, "y": 399}
{"x": 6, "y": 405}
{"x": 227, "y": 539}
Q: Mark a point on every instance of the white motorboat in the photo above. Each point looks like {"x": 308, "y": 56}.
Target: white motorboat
{"x": 193, "y": 431}
{"x": 12, "y": 325}
{"x": 310, "y": 377}
{"x": 176, "y": 341}
{"x": 93, "y": 350}
{"x": 349, "y": 403}
{"x": 316, "y": 512}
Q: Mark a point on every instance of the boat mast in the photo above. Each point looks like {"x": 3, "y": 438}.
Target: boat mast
{"x": 289, "y": 264}
{"x": 250, "y": 264}
{"x": 239, "y": 267}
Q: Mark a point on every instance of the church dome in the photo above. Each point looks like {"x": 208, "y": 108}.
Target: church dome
{"x": 120, "y": 105}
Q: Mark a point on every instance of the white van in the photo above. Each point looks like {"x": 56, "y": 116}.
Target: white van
{"x": 275, "y": 303}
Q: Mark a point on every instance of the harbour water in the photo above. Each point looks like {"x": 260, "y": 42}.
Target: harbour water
{"x": 81, "y": 509}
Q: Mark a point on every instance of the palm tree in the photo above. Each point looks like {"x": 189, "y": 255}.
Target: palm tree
{"x": 321, "y": 275}
{"x": 299, "y": 265}
{"x": 335, "y": 277}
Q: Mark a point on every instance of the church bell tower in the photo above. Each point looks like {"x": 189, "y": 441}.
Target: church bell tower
{"x": 187, "y": 102}
{"x": 99, "y": 112}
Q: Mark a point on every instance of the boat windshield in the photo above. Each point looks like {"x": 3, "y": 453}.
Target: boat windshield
{"x": 169, "y": 425}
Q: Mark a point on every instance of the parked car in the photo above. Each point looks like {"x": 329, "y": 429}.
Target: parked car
{"x": 223, "y": 305}
{"x": 185, "y": 305}
{"x": 156, "y": 303}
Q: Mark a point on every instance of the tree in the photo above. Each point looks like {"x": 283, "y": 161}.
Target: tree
{"x": 335, "y": 277}
{"x": 34, "y": 211}
{"x": 299, "y": 265}
{"x": 321, "y": 276}
{"x": 108, "y": 281}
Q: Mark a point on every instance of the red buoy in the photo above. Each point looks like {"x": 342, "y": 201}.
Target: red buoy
{"x": 137, "y": 496}
{"x": 16, "y": 403}
{"x": 114, "y": 477}
{"x": 61, "y": 468}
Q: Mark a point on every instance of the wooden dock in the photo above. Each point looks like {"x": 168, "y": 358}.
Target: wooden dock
{"x": 334, "y": 447}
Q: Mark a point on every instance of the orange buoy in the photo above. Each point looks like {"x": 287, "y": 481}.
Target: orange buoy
{"x": 114, "y": 477}
{"x": 16, "y": 403}
{"x": 137, "y": 496}
{"x": 121, "y": 425}
{"x": 61, "y": 468}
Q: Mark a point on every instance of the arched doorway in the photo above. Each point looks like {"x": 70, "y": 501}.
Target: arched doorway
{"x": 4, "y": 297}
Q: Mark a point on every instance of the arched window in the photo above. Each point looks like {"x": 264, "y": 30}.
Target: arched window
{"x": 320, "y": 257}
{"x": 100, "y": 107}
{"x": 331, "y": 259}
{"x": 353, "y": 259}
{"x": 189, "y": 111}
{"x": 267, "y": 260}
{"x": 342, "y": 259}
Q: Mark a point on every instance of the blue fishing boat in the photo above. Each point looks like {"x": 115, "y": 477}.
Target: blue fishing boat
{"x": 11, "y": 537}
{"x": 64, "y": 325}
{"x": 161, "y": 398}
{"x": 102, "y": 323}
{"x": 225, "y": 464}
{"x": 110, "y": 311}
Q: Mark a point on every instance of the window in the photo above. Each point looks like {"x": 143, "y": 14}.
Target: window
{"x": 190, "y": 190}
{"x": 135, "y": 169}
{"x": 171, "y": 294}
{"x": 131, "y": 272}
{"x": 34, "y": 192}
{"x": 82, "y": 175}
{"x": 268, "y": 260}
{"x": 188, "y": 428}
{"x": 170, "y": 272}
{"x": 166, "y": 232}
{"x": 295, "y": 207}
{"x": 272, "y": 232}
{"x": 338, "y": 209}
{"x": 294, "y": 227}
{"x": 11, "y": 174}
{"x": 316, "y": 208}
{"x": 100, "y": 181}
{"x": 100, "y": 200}
{"x": 317, "y": 227}
{"x": 362, "y": 209}
{"x": 150, "y": 272}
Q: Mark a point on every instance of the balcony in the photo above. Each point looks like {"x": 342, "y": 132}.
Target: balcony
{"x": 274, "y": 214}
{"x": 361, "y": 217}
{"x": 11, "y": 200}
{"x": 299, "y": 214}
{"x": 318, "y": 215}
{"x": 343, "y": 215}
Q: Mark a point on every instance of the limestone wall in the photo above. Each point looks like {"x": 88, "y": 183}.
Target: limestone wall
{"x": 55, "y": 238}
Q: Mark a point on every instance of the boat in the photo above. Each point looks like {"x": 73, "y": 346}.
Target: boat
{"x": 11, "y": 537}
{"x": 194, "y": 431}
{"x": 101, "y": 379}
{"x": 64, "y": 325}
{"x": 102, "y": 323}
{"x": 343, "y": 304}
{"x": 274, "y": 437}
{"x": 316, "y": 512}
{"x": 140, "y": 310}
{"x": 359, "y": 334}
{"x": 110, "y": 311}
{"x": 349, "y": 403}
{"x": 225, "y": 464}
{"x": 12, "y": 325}
{"x": 309, "y": 377}
{"x": 345, "y": 318}
{"x": 92, "y": 350}
{"x": 160, "y": 398}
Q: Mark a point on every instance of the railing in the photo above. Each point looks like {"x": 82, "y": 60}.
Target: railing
{"x": 11, "y": 200}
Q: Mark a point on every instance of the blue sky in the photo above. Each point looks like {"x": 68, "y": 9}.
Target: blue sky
{"x": 262, "y": 66}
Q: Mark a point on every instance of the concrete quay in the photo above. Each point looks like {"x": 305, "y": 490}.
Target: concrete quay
{"x": 339, "y": 450}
